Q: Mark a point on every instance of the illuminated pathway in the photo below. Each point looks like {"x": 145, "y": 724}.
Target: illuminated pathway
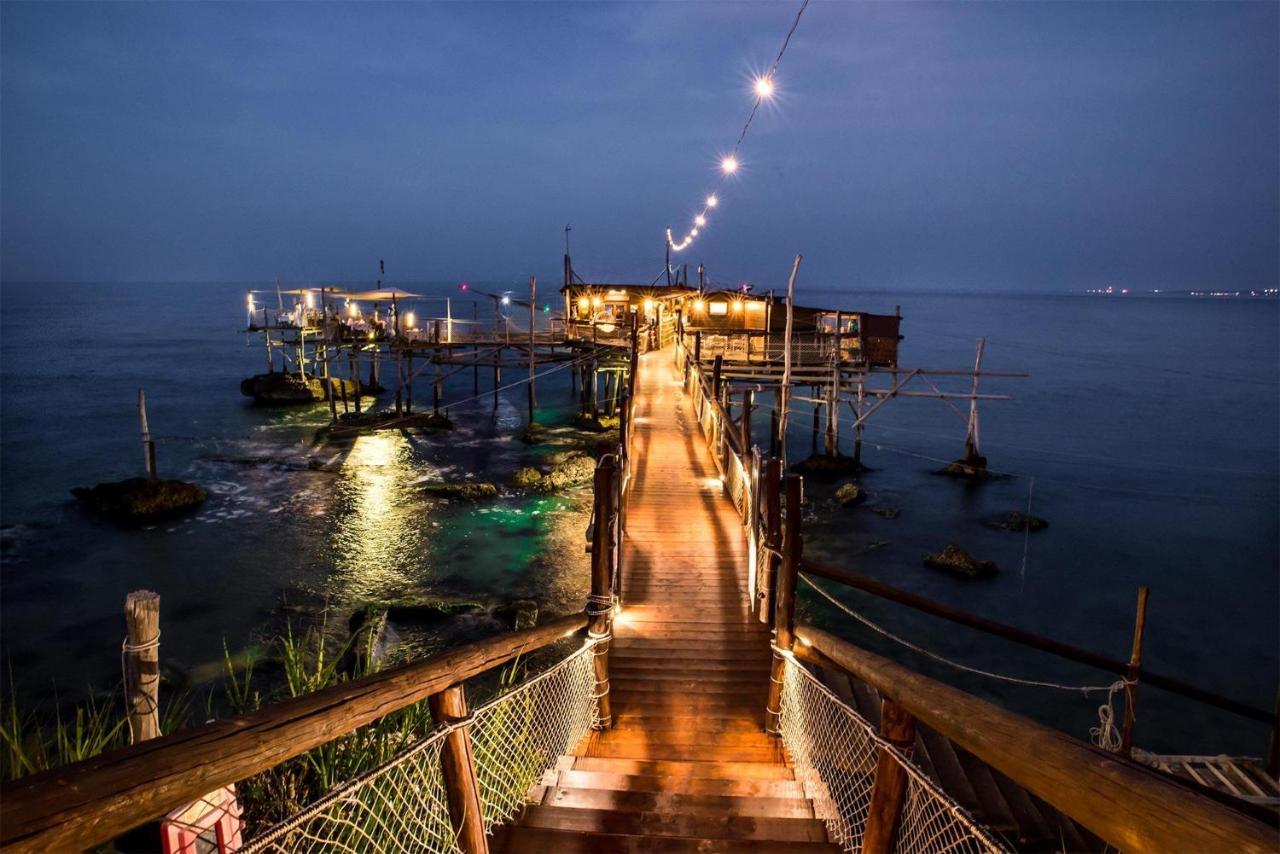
{"x": 687, "y": 765}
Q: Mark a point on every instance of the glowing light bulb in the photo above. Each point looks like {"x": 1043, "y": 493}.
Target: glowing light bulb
{"x": 249, "y": 302}
{"x": 693, "y": 233}
{"x": 352, "y": 310}
{"x": 648, "y": 305}
{"x": 764, "y": 88}
{"x": 583, "y": 303}
{"x": 310, "y": 299}
{"x": 699, "y": 220}
{"x": 506, "y": 300}
{"x": 410, "y": 320}
{"x": 729, "y": 165}
{"x": 737, "y": 306}
{"x": 699, "y": 305}
{"x": 597, "y": 301}
{"x": 712, "y": 201}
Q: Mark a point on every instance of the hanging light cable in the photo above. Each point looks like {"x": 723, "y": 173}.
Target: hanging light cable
{"x": 764, "y": 87}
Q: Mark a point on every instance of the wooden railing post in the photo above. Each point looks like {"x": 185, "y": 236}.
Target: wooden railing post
{"x": 784, "y": 612}
{"x": 889, "y": 787}
{"x": 744, "y": 426}
{"x": 600, "y": 602}
{"x": 1131, "y": 677}
{"x": 142, "y": 664}
{"x": 458, "y": 763}
{"x": 772, "y": 476}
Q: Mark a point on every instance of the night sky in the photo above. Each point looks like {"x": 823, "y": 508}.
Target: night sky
{"x": 1020, "y": 146}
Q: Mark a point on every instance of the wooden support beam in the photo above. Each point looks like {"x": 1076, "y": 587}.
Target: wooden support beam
{"x": 784, "y": 609}
{"x": 1130, "y": 806}
{"x": 889, "y": 787}
{"x": 600, "y": 603}
{"x": 142, "y": 664}
{"x": 87, "y": 804}
{"x": 458, "y": 767}
{"x": 772, "y": 478}
{"x": 1131, "y": 676}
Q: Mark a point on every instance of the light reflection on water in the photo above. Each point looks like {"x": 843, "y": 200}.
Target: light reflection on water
{"x": 378, "y": 521}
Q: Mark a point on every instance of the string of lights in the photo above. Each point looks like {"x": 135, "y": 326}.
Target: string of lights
{"x": 764, "y": 87}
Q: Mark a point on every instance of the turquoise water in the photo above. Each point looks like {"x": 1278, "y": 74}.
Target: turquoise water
{"x": 1149, "y": 426}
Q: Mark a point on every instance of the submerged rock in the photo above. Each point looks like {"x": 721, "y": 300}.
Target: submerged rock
{"x": 534, "y": 434}
{"x": 1015, "y": 520}
{"x": 574, "y": 470}
{"x": 472, "y": 491}
{"x": 956, "y": 560}
{"x": 139, "y": 499}
{"x": 428, "y": 610}
{"x": 850, "y": 494}
{"x": 886, "y": 512}
{"x": 821, "y": 465}
{"x": 369, "y": 634}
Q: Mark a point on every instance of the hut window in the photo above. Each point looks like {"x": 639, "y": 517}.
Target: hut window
{"x": 718, "y": 308}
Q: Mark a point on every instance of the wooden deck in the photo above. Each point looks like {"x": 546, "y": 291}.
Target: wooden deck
{"x": 687, "y": 765}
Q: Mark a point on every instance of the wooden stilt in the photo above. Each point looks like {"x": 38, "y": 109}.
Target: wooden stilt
{"x": 600, "y": 603}
{"x": 771, "y": 485}
{"x": 148, "y": 445}
{"x": 408, "y": 385}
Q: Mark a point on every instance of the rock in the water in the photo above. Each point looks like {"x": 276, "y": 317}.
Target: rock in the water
{"x": 527, "y": 477}
{"x": 285, "y": 388}
{"x": 139, "y": 499}
{"x": 958, "y": 561}
{"x": 596, "y": 423}
{"x": 886, "y": 512}
{"x": 473, "y": 491}
{"x": 575, "y": 470}
{"x": 521, "y": 614}
{"x": 1016, "y": 520}
{"x": 849, "y": 494}
{"x": 534, "y": 434}
{"x": 368, "y": 627}
{"x": 429, "y": 610}
{"x": 970, "y": 468}
{"x": 821, "y": 465}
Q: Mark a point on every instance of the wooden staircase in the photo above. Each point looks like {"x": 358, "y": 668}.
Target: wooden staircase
{"x": 687, "y": 765}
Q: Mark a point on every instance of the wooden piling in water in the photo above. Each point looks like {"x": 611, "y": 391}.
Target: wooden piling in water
{"x": 142, "y": 664}
{"x": 148, "y": 445}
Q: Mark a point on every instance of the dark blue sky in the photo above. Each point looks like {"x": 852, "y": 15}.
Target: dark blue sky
{"x": 1023, "y": 146}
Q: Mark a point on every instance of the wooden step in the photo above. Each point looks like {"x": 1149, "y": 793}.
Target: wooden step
{"x": 575, "y": 778}
{"x": 696, "y": 769}
{"x": 708, "y": 723}
{"x": 537, "y": 840}
{"x": 668, "y": 803}
{"x": 708, "y": 825}
{"x": 714, "y": 741}
{"x": 660, "y": 750}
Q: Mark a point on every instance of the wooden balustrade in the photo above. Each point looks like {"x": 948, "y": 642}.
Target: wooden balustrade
{"x": 90, "y": 803}
{"x": 458, "y": 770}
{"x": 1128, "y": 805}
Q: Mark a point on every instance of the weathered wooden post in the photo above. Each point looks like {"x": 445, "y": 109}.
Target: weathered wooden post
{"x": 458, "y": 764}
{"x": 354, "y": 359}
{"x": 600, "y": 602}
{"x": 772, "y": 477}
{"x": 148, "y": 446}
{"x": 889, "y": 786}
{"x": 785, "y": 602}
{"x": 408, "y": 385}
{"x": 1131, "y": 676}
{"x": 142, "y": 664}
{"x": 744, "y": 425}
{"x": 717, "y": 367}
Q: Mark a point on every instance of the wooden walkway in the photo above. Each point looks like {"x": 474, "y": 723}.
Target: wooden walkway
{"x": 687, "y": 765}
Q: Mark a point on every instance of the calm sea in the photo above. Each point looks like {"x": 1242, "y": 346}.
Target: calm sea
{"x": 1146, "y": 434}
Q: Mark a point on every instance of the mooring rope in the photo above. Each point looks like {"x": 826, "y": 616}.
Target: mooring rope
{"x": 125, "y": 649}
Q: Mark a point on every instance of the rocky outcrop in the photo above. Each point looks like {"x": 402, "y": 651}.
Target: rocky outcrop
{"x": 534, "y": 434}
{"x": 567, "y": 471}
{"x": 850, "y": 494}
{"x": 596, "y": 423}
{"x": 957, "y": 561}
{"x": 468, "y": 490}
{"x": 886, "y": 512}
{"x": 969, "y": 468}
{"x": 521, "y": 614}
{"x": 821, "y": 465}
{"x": 279, "y": 388}
{"x": 140, "y": 500}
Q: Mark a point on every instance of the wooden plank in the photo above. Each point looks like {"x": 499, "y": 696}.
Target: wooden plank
{"x": 536, "y": 840}
{"x": 663, "y": 801}
{"x": 711, "y": 826}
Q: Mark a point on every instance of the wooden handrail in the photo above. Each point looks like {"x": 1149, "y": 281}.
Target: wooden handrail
{"x": 1031, "y": 639}
{"x": 1128, "y": 805}
{"x": 92, "y": 802}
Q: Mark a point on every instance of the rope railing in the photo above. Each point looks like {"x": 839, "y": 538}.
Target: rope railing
{"x": 403, "y": 805}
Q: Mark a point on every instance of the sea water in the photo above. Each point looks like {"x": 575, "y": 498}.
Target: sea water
{"x": 1145, "y": 433}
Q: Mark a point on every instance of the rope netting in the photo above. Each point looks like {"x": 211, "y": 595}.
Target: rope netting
{"x": 401, "y": 805}
{"x": 835, "y": 752}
